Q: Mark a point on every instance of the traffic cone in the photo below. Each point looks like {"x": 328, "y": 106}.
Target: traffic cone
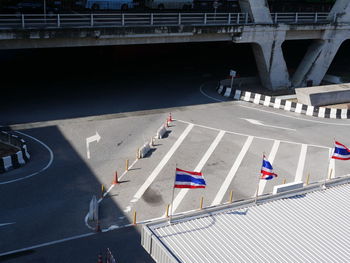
{"x": 100, "y": 260}
{"x": 98, "y": 228}
{"x": 170, "y": 118}
{"x": 116, "y": 178}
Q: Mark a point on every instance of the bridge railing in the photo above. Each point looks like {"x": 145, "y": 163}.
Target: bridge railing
{"x": 299, "y": 18}
{"x": 26, "y": 21}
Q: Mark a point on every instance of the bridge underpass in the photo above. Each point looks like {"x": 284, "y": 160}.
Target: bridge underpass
{"x": 266, "y": 33}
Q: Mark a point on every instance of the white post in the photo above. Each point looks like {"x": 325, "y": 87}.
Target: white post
{"x": 172, "y": 198}
{"x": 179, "y": 19}
{"x": 151, "y": 19}
{"x": 23, "y": 21}
{"x": 205, "y": 18}
{"x": 92, "y": 19}
{"x": 276, "y": 16}
{"x": 123, "y": 19}
{"x": 296, "y": 17}
{"x": 229, "y": 18}
{"x": 238, "y": 18}
{"x": 316, "y": 17}
{"x": 58, "y": 20}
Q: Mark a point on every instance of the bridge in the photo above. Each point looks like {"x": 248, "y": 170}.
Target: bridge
{"x": 256, "y": 25}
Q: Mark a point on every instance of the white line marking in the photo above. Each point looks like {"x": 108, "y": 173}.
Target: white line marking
{"x": 225, "y": 185}
{"x": 292, "y": 117}
{"x": 46, "y": 244}
{"x": 257, "y": 137}
{"x": 301, "y": 163}
{"x": 271, "y": 158}
{"x": 38, "y": 172}
{"x": 180, "y": 196}
{"x": 6, "y": 224}
{"x": 201, "y": 90}
{"x": 256, "y": 122}
{"x": 162, "y": 163}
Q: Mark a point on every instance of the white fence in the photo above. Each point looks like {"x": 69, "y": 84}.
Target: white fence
{"x": 26, "y": 21}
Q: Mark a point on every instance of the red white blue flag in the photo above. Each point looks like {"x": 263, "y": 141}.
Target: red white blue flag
{"x": 267, "y": 170}
{"x": 341, "y": 152}
{"x": 186, "y": 179}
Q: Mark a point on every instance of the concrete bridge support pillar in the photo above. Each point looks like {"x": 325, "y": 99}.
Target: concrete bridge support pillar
{"x": 321, "y": 53}
{"x": 316, "y": 62}
{"x": 271, "y": 65}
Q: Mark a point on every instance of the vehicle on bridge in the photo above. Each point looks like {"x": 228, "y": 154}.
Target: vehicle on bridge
{"x": 110, "y": 4}
{"x": 169, "y": 4}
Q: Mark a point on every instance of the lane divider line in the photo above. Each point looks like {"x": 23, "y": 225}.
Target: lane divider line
{"x": 180, "y": 196}
{"x": 227, "y": 182}
{"x": 271, "y": 158}
{"x": 162, "y": 163}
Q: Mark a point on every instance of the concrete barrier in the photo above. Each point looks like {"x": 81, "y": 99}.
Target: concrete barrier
{"x": 18, "y": 159}
{"x": 287, "y": 187}
{"x": 286, "y": 105}
{"x": 324, "y": 95}
{"x": 93, "y": 209}
{"x": 161, "y": 131}
{"x": 144, "y": 150}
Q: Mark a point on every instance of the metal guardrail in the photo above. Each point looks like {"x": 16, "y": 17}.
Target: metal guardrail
{"x": 27, "y": 21}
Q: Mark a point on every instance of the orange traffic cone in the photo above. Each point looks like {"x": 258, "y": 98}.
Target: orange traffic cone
{"x": 100, "y": 260}
{"x": 116, "y": 178}
{"x": 170, "y": 118}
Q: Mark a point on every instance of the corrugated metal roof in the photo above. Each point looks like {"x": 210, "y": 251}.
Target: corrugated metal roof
{"x": 312, "y": 227}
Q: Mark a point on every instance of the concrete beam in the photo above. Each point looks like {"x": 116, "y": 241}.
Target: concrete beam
{"x": 257, "y": 9}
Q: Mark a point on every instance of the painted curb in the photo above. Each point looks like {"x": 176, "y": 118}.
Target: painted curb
{"x": 17, "y": 159}
{"x": 268, "y": 101}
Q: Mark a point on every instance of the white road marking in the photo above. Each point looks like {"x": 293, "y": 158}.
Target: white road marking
{"x": 271, "y": 158}
{"x": 225, "y": 185}
{"x": 201, "y": 90}
{"x": 162, "y": 163}
{"x": 89, "y": 140}
{"x": 180, "y": 196}
{"x": 301, "y": 163}
{"x": 256, "y": 122}
{"x": 6, "y": 224}
{"x": 257, "y": 137}
{"x": 38, "y": 172}
{"x": 46, "y": 244}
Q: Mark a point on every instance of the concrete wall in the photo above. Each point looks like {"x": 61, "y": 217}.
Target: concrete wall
{"x": 341, "y": 10}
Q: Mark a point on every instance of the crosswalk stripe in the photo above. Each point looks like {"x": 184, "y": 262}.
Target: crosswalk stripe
{"x": 225, "y": 185}
{"x": 162, "y": 163}
{"x": 301, "y": 163}
{"x": 198, "y": 168}
{"x": 271, "y": 158}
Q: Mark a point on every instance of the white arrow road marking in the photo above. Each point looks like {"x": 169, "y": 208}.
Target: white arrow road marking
{"x": 271, "y": 158}
{"x": 255, "y": 122}
{"x": 6, "y": 224}
{"x": 93, "y": 138}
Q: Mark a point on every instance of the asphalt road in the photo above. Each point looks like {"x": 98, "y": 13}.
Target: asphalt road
{"x": 47, "y": 200}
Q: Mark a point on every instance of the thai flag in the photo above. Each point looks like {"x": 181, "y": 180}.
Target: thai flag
{"x": 341, "y": 152}
{"x": 267, "y": 170}
{"x": 186, "y": 179}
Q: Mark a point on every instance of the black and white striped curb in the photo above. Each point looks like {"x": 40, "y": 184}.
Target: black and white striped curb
{"x": 17, "y": 159}
{"x": 286, "y": 105}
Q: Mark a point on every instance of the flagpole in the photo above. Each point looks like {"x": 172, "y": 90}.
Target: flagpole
{"x": 172, "y": 197}
{"x": 329, "y": 161}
